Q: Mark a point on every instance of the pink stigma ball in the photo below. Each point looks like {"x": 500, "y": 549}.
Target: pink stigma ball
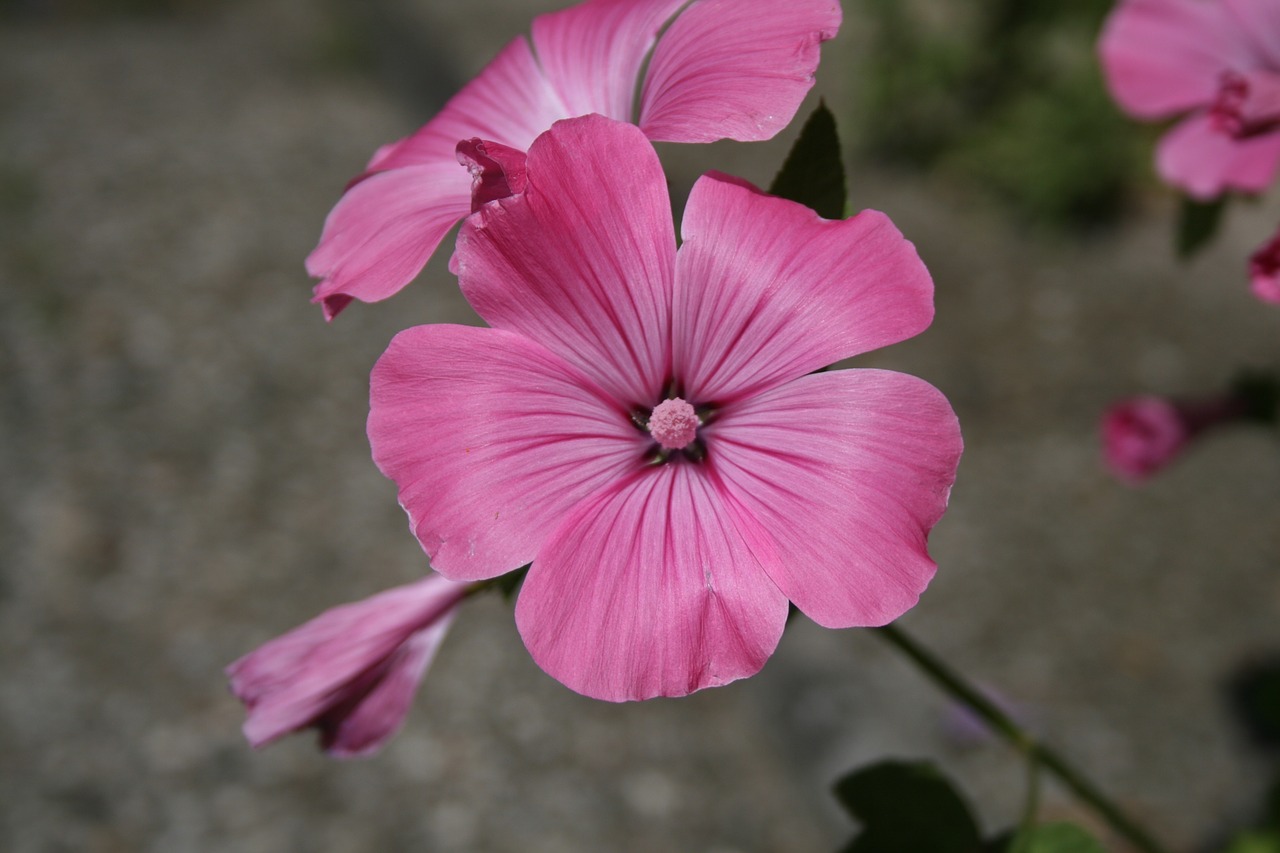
{"x": 673, "y": 423}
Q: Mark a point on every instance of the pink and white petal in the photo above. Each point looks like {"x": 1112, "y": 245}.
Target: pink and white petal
{"x": 836, "y": 480}
{"x": 1205, "y": 162}
{"x": 1259, "y": 21}
{"x": 384, "y": 230}
{"x": 510, "y": 101}
{"x": 592, "y": 53}
{"x": 648, "y": 590}
{"x": 491, "y": 440}
{"x": 1162, "y": 57}
{"x": 583, "y": 260}
{"x": 767, "y": 291}
{"x": 735, "y": 69}
{"x": 361, "y": 727}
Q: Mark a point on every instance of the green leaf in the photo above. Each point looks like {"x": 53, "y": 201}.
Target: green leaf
{"x": 813, "y": 173}
{"x": 1255, "y": 842}
{"x": 1197, "y": 223}
{"x": 907, "y": 806}
{"x": 1056, "y": 838}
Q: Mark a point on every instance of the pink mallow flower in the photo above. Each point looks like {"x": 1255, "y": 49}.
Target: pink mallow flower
{"x": 1264, "y": 271}
{"x": 734, "y": 69}
{"x": 351, "y": 672}
{"x": 646, "y": 426}
{"x": 1219, "y": 61}
{"x": 1142, "y": 435}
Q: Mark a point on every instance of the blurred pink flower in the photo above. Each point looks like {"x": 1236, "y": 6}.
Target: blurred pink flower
{"x": 1264, "y": 271}
{"x": 734, "y": 69}
{"x": 646, "y": 427}
{"x": 351, "y": 672}
{"x": 1142, "y": 435}
{"x": 1219, "y": 61}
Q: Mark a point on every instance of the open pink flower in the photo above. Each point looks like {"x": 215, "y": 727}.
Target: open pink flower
{"x": 734, "y": 69}
{"x": 351, "y": 672}
{"x": 646, "y": 427}
{"x": 1264, "y": 271}
{"x": 1218, "y": 60}
{"x": 1142, "y": 435}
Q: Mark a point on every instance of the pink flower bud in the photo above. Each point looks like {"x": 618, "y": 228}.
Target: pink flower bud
{"x": 1264, "y": 271}
{"x": 351, "y": 672}
{"x": 1141, "y": 435}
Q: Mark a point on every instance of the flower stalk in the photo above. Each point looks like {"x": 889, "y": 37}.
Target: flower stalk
{"x": 955, "y": 685}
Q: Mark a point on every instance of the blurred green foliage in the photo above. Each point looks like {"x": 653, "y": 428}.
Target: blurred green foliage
{"x": 1006, "y": 96}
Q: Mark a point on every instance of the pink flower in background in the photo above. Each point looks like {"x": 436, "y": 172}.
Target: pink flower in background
{"x": 1264, "y": 271}
{"x": 646, "y": 427}
{"x": 734, "y": 69}
{"x": 351, "y": 672}
{"x": 1142, "y": 435}
{"x": 1218, "y": 61}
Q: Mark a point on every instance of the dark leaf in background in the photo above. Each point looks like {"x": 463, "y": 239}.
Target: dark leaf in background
{"x": 907, "y": 806}
{"x": 1254, "y": 694}
{"x": 813, "y": 173}
{"x": 1197, "y": 223}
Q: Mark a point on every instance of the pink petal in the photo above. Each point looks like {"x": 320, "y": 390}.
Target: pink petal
{"x": 582, "y": 261}
{"x": 767, "y": 291}
{"x": 327, "y": 667}
{"x": 384, "y": 230}
{"x": 592, "y": 53}
{"x": 390, "y": 221}
{"x": 648, "y": 590}
{"x": 1259, "y": 22}
{"x": 360, "y": 728}
{"x": 492, "y": 440}
{"x": 734, "y": 69}
{"x": 509, "y": 101}
{"x": 1163, "y": 57}
{"x": 836, "y": 480}
{"x": 1206, "y": 162}
{"x": 1141, "y": 436}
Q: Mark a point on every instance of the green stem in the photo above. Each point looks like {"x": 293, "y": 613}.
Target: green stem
{"x": 1003, "y": 725}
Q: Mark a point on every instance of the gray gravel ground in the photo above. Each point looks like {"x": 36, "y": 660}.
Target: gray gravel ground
{"x": 186, "y": 475}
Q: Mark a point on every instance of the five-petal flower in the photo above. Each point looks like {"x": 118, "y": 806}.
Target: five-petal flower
{"x": 1218, "y": 60}
{"x": 648, "y": 428}
{"x": 684, "y": 72}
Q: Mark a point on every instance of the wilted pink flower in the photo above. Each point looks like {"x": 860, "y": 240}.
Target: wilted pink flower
{"x": 351, "y": 672}
{"x": 1219, "y": 61}
{"x": 734, "y": 69}
{"x": 1142, "y": 435}
{"x": 646, "y": 426}
{"x": 1264, "y": 271}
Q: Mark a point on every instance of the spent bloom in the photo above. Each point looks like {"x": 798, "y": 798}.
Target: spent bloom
{"x": 351, "y": 672}
{"x": 1218, "y": 62}
{"x": 1264, "y": 271}
{"x": 1142, "y": 435}
{"x": 684, "y": 72}
{"x": 648, "y": 427}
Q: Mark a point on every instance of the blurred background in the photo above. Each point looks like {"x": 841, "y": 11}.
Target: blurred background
{"x": 185, "y": 472}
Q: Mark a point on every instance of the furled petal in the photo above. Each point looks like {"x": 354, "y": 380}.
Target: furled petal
{"x": 1264, "y": 271}
{"x": 392, "y": 218}
{"x": 1259, "y": 21}
{"x": 582, "y": 260}
{"x": 767, "y": 291}
{"x": 384, "y": 230}
{"x": 648, "y": 590}
{"x": 592, "y": 53}
{"x": 491, "y": 440}
{"x": 1206, "y": 162}
{"x": 1141, "y": 436}
{"x": 836, "y": 479}
{"x": 734, "y": 69}
{"x": 1163, "y": 57}
{"x": 351, "y": 671}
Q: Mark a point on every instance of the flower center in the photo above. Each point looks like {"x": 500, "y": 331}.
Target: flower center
{"x": 1247, "y": 104}
{"x": 673, "y": 424}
